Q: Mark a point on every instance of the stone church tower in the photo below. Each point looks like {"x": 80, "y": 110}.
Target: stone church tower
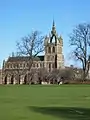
{"x": 54, "y": 58}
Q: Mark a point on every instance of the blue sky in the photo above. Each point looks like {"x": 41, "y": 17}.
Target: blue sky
{"x": 19, "y": 17}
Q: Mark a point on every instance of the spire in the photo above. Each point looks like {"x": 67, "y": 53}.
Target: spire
{"x": 53, "y": 32}
{"x": 53, "y": 23}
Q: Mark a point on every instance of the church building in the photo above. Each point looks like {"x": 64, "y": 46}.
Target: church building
{"x": 53, "y": 59}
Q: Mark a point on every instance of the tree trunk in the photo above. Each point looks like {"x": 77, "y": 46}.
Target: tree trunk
{"x": 84, "y": 75}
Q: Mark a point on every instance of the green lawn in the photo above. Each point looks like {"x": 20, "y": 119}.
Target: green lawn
{"x": 65, "y": 102}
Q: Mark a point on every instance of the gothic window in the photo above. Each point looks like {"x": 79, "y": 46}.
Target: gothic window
{"x": 52, "y": 65}
{"x": 43, "y": 65}
{"x": 27, "y": 65}
{"x": 12, "y": 79}
{"x": 37, "y": 64}
{"x": 49, "y": 50}
{"x": 52, "y": 58}
{"x": 5, "y": 80}
{"x": 48, "y": 58}
{"x": 53, "y": 49}
{"x": 20, "y": 65}
{"x": 11, "y": 65}
{"x": 7, "y": 65}
{"x": 49, "y": 66}
{"x": 40, "y": 64}
{"x": 24, "y": 65}
{"x": 14, "y": 65}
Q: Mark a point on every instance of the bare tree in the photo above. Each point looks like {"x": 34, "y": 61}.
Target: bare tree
{"x": 57, "y": 75}
{"x": 42, "y": 75}
{"x": 67, "y": 74}
{"x": 31, "y": 45}
{"x": 80, "y": 41}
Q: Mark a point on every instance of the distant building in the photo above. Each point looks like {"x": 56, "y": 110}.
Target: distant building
{"x": 88, "y": 68}
{"x": 52, "y": 59}
{"x": 0, "y": 76}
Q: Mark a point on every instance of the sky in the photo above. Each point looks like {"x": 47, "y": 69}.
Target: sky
{"x": 19, "y": 17}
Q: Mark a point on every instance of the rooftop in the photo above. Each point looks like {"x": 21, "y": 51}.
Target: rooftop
{"x": 24, "y": 58}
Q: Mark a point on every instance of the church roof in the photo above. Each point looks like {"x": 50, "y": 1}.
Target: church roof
{"x": 24, "y": 58}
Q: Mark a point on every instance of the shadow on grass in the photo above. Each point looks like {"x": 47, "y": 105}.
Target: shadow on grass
{"x": 68, "y": 113}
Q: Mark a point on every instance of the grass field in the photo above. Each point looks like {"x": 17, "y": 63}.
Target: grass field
{"x": 65, "y": 102}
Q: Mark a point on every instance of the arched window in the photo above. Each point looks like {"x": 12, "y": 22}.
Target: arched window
{"x": 20, "y": 65}
{"x": 43, "y": 65}
{"x": 24, "y": 65}
{"x": 53, "y": 65}
{"x": 5, "y": 80}
{"x": 53, "y": 49}
{"x": 12, "y": 79}
{"x": 37, "y": 64}
{"x": 49, "y": 66}
{"x": 40, "y": 64}
{"x": 7, "y": 65}
{"x": 49, "y": 50}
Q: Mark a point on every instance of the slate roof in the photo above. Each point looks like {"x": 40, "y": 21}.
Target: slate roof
{"x": 24, "y": 58}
